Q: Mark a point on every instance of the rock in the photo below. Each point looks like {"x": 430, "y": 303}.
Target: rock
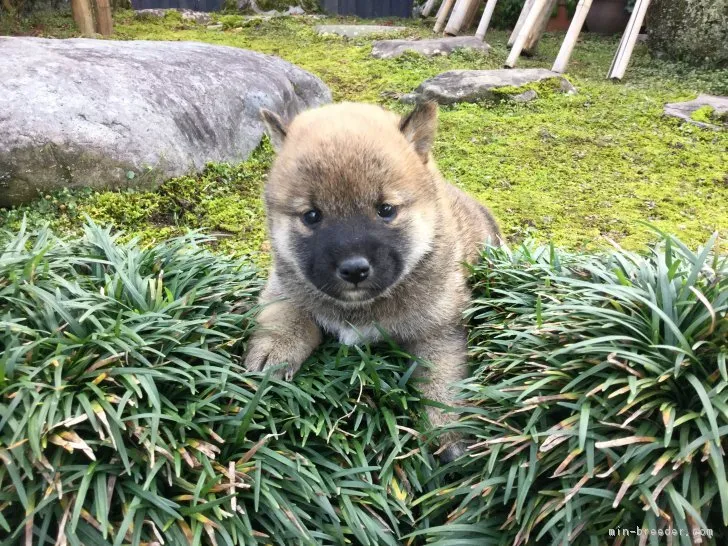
{"x": 217, "y": 26}
{"x": 356, "y": 31}
{"x": 386, "y": 49}
{"x": 695, "y": 31}
{"x": 103, "y": 113}
{"x": 295, "y": 10}
{"x": 526, "y": 96}
{"x": 199, "y": 17}
{"x": 483, "y": 85}
{"x": 685, "y": 110}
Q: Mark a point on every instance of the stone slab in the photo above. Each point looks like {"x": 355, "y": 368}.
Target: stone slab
{"x": 684, "y": 110}
{"x": 357, "y": 31}
{"x": 481, "y": 85}
{"x": 387, "y": 49}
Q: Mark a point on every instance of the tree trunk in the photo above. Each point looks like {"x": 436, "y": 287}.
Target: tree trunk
{"x": 82, "y": 16}
{"x": 104, "y": 22}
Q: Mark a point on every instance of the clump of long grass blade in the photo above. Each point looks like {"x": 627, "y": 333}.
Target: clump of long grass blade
{"x": 599, "y": 401}
{"x": 127, "y": 418}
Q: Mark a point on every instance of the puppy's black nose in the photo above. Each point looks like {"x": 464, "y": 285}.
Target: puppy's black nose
{"x": 354, "y": 270}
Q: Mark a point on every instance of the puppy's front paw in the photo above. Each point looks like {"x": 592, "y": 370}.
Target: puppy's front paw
{"x": 270, "y": 350}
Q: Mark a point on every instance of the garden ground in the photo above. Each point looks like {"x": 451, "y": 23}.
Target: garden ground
{"x": 578, "y": 170}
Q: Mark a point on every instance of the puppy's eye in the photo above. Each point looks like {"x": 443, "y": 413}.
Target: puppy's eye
{"x": 386, "y": 211}
{"x": 312, "y": 217}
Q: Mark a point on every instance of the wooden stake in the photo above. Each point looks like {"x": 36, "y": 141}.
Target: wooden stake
{"x": 460, "y": 13}
{"x": 485, "y": 20}
{"x": 472, "y": 13}
{"x": 629, "y": 39}
{"x": 429, "y": 6}
{"x": 521, "y": 19}
{"x": 83, "y": 16}
{"x": 540, "y": 27}
{"x": 442, "y": 15}
{"x": 526, "y": 29}
{"x": 104, "y": 22}
{"x": 562, "y": 59}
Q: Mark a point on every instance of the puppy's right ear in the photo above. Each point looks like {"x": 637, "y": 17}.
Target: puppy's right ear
{"x": 274, "y": 127}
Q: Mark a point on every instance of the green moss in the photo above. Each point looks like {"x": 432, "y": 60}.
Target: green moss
{"x": 704, "y": 114}
{"x": 580, "y": 169}
{"x": 542, "y": 88}
{"x": 708, "y": 114}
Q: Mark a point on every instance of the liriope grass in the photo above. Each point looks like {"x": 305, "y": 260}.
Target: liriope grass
{"x": 597, "y": 402}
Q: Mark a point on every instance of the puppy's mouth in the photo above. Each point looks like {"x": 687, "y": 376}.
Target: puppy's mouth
{"x": 348, "y": 293}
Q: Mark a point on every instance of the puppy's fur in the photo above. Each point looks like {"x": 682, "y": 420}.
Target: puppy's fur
{"x": 353, "y": 164}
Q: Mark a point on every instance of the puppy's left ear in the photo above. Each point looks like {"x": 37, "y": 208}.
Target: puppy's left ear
{"x": 274, "y": 127}
{"x": 420, "y": 126}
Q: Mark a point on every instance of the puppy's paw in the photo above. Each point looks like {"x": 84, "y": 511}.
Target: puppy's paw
{"x": 271, "y": 350}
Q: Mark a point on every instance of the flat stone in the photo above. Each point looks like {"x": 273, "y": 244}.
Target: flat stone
{"x": 199, "y": 17}
{"x": 387, "y": 49}
{"x": 118, "y": 114}
{"x": 684, "y": 110}
{"x": 482, "y": 85}
{"x": 526, "y": 96}
{"x": 356, "y": 31}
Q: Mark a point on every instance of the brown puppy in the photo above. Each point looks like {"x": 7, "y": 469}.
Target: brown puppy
{"x": 365, "y": 235}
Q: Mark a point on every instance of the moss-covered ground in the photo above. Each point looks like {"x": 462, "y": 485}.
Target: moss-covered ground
{"x": 577, "y": 169}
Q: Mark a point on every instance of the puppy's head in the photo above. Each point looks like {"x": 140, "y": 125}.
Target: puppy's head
{"x": 351, "y": 200}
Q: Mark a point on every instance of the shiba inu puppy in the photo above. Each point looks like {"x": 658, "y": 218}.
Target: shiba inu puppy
{"x": 366, "y": 235}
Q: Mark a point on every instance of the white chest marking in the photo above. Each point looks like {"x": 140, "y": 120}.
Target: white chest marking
{"x": 351, "y": 335}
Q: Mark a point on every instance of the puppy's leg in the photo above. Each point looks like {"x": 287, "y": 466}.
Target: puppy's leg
{"x": 446, "y": 355}
{"x": 285, "y": 334}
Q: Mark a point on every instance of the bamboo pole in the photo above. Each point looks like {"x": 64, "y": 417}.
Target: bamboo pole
{"x": 442, "y": 15}
{"x": 629, "y": 39}
{"x": 528, "y": 26}
{"x": 472, "y": 13}
{"x": 429, "y": 6}
{"x": 485, "y": 20}
{"x": 83, "y": 16}
{"x": 540, "y": 27}
{"x": 460, "y": 14}
{"x": 521, "y": 19}
{"x": 572, "y": 35}
{"x": 104, "y": 22}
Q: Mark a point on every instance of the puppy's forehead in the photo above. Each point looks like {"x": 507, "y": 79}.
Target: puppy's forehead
{"x": 338, "y": 156}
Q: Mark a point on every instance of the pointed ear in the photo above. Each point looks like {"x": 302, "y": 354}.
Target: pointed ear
{"x": 274, "y": 127}
{"x": 420, "y": 126}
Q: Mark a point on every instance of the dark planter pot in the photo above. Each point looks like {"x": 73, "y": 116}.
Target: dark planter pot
{"x": 607, "y": 17}
{"x": 561, "y": 20}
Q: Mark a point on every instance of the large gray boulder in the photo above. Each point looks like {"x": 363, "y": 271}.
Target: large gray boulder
{"x": 102, "y": 113}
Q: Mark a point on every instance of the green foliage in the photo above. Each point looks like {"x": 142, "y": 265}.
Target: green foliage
{"x": 506, "y": 13}
{"x": 600, "y": 397}
{"x": 224, "y": 199}
{"x": 125, "y": 415}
